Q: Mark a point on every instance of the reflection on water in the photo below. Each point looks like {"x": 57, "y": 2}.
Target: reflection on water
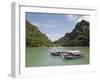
{"x": 42, "y": 57}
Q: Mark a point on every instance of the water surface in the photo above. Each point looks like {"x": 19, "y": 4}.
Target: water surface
{"x": 41, "y": 56}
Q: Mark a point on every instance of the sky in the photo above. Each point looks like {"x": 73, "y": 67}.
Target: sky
{"x": 54, "y": 25}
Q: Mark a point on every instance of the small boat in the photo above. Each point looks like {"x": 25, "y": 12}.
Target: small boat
{"x": 56, "y": 53}
{"x": 72, "y": 55}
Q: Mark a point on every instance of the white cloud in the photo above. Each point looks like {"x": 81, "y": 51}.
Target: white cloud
{"x": 72, "y": 17}
{"x": 77, "y": 18}
{"x": 48, "y": 24}
{"x": 87, "y": 18}
{"x": 51, "y": 21}
{"x": 52, "y": 25}
{"x": 35, "y": 23}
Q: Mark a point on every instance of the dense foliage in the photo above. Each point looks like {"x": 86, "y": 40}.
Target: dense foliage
{"x": 35, "y": 38}
{"x": 78, "y": 37}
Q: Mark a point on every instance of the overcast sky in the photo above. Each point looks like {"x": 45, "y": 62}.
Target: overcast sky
{"x": 54, "y": 25}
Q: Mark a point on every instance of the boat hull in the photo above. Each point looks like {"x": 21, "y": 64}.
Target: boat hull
{"x": 56, "y": 53}
{"x": 73, "y": 57}
{"x": 68, "y": 54}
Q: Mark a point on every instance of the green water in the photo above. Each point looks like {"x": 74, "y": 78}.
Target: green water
{"x": 41, "y": 56}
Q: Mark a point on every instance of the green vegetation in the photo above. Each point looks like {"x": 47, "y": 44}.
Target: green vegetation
{"x": 35, "y": 38}
{"x": 78, "y": 37}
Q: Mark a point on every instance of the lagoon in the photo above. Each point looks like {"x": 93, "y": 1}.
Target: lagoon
{"x": 40, "y": 56}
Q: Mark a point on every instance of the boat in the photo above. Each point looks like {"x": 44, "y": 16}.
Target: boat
{"x": 56, "y": 53}
{"x": 68, "y": 54}
{"x": 72, "y": 55}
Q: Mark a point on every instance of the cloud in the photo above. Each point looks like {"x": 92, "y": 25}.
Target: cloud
{"x": 48, "y": 24}
{"x": 77, "y": 18}
{"x": 52, "y": 25}
{"x": 36, "y": 23}
{"x": 72, "y": 17}
{"x": 87, "y": 18}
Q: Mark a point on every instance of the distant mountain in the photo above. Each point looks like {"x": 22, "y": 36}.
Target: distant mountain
{"x": 78, "y": 37}
{"x": 35, "y": 38}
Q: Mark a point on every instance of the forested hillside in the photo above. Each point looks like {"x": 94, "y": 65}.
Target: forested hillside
{"x": 35, "y": 38}
{"x": 78, "y": 37}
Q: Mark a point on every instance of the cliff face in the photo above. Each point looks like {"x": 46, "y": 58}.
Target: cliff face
{"x": 78, "y": 37}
